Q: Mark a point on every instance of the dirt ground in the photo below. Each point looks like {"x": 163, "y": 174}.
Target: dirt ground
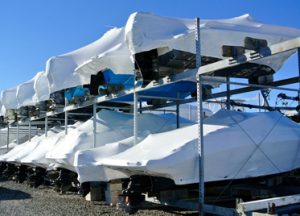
{"x": 22, "y": 200}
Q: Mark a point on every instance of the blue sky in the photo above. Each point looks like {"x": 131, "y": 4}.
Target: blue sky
{"x": 33, "y": 30}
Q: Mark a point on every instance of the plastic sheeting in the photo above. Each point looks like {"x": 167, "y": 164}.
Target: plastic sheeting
{"x": 25, "y": 93}
{"x": 114, "y": 55}
{"x": 2, "y": 108}
{"x": 88, "y": 162}
{"x": 37, "y": 155}
{"x": 2, "y": 111}
{"x": 3, "y": 148}
{"x": 22, "y": 150}
{"x": 236, "y": 146}
{"x": 18, "y": 148}
{"x": 9, "y": 98}
{"x": 112, "y": 127}
{"x": 144, "y": 31}
{"x": 41, "y": 87}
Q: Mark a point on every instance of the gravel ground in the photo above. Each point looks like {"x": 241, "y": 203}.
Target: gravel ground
{"x": 21, "y": 200}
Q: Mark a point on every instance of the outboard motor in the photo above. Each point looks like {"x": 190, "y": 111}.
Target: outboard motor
{"x": 11, "y": 114}
{"x": 77, "y": 95}
{"x": 57, "y": 99}
{"x": 114, "y": 83}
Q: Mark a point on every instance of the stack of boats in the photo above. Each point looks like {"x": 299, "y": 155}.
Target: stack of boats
{"x": 237, "y": 145}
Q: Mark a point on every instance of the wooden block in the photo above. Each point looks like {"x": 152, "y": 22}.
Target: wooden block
{"x": 114, "y": 186}
{"x": 112, "y": 198}
{"x": 95, "y": 194}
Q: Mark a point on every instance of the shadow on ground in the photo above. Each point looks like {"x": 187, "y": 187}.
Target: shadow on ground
{"x": 9, "y": 194}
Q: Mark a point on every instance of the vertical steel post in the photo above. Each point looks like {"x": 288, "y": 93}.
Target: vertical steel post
{"x": 135, "y": 112}
{"x": 200, "y": 121}
{"x": 299, "y": 74}
{"x": 227, "y": 93}
{"x": 190, "y": 114}
{"x": 259, "y": 104}
{"x": 46, "y": 125}
{"x": 66, "y": 116}
{"x": 66, "y": 122}
{"x": 18, "y": 133}
{"x": 29, "y": 131}
{"x": 135, "y": 117}
{"x": 95, "y": 123}
{"x": 177, "y": 111}
{"x": 141, "y": 106}
{"x": 7, "y": 138}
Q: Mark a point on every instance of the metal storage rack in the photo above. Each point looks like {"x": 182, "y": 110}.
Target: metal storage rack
{"x": 200, "y": 74}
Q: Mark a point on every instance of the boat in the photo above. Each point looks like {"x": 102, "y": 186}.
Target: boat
{"x": 164, "y": 46}
{"x": 237, "y": 145}
{"x": 170, "y": 44}
{"x": 22, "y": 150}
{"x": 60, "y": 70}
{"x": 36, "y": 157}
{"x": 112, "y": 127}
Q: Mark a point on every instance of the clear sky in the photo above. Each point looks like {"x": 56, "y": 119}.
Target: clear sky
{"x": 34, "y": 30}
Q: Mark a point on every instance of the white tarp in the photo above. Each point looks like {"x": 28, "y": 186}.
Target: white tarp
{"x": 9, "y": 98}
{"x": 60, "y": 69}
{"x": 2, "y": 111}
{"x": 2, "y": 108}
{"x": 25, "y": 93}
{"x": 19, "y": 148}
{"x": 3, "y": 148}
{"x": 111, "y": 127}
{"x": 41, "y": 87}
{"x": 22, "y": 150}
{"x": 37, "y": 155}
{"x": 236, "y": 145}
{"x": 113, "y": 54}
{"x": 88, "y": 162}
{"x": 144, "y": 31}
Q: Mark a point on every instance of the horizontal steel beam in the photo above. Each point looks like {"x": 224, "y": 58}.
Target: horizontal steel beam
{"x": 80, "y": 114}
{"x": 249, "y": 89}
{"x": 251, "y": 56}
{"x": 173, "y": 103}
{"x": 160, "y": 97}
{"x": 258, "y": 86}
{"x": 265, "y": 203}
{"x": 114, "y": 107}
{"x": 189, "y": 75}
